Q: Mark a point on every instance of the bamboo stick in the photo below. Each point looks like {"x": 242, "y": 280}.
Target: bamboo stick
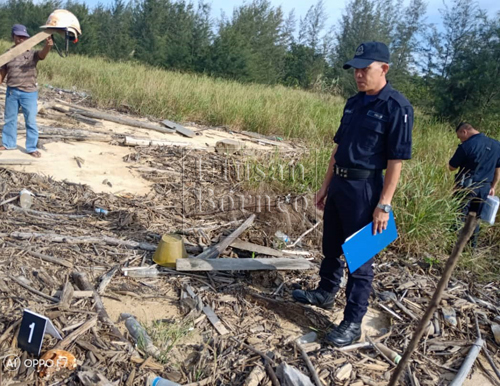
{"x": 464, "y": 237}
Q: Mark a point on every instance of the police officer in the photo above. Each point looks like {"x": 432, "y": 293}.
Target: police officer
{"x": 477, "y": 159}
{"x": 375, "y": 133}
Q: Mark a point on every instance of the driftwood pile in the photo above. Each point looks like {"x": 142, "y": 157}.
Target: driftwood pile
{"x": 60, "y": 258}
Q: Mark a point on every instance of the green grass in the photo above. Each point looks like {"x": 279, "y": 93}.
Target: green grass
{"x": 165, "y": 335}
{"x": 185, "y": 97}
{"x": 423, "y": 205}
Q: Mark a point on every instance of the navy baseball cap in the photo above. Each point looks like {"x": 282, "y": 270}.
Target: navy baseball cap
{"x": 20, "y": 30}
{"x": 367, "y": 53}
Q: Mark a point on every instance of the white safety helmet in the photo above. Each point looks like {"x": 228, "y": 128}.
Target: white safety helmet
{"x": 63, "y": 19}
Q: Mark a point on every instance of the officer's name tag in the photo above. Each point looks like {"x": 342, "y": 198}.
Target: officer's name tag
{"x": 33, "y": 328}
{"x": 376, "y": 115}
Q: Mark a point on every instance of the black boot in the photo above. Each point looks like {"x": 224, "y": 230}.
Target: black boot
{"x": 317, "y": 297}
{"x": 345, "y": 334}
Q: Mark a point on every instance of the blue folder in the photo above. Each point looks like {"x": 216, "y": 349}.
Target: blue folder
{"x": 363, "y": 245}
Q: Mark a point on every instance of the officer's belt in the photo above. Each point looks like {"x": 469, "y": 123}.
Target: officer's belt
{"x": 355, "y": 174}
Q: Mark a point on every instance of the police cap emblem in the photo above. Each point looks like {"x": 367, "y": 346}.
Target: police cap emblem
{"x": 360, "y": 50}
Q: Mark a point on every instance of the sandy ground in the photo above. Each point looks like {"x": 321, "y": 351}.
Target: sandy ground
{"x": 103, "y": 161}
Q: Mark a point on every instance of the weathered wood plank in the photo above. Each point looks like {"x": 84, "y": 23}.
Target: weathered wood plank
{"x": 15, "y": 162}
{"x": 179, "y": 128}
{"x": 251, "y": 247}
{"x": 25, "y": 46}
{"x": 280, "y": 264}
{"x": 214, "y": 319}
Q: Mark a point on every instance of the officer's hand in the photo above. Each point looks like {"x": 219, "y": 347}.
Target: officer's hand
{"x": 49, "y": 42}
{"x": 492, "y": 191}
{"x": 319, "y": 199}
{"x": 380, "y": 220}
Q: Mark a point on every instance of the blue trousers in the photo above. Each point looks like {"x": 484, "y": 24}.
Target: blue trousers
{"x": 14, "y": 99}
{"x": 349, "y": 207}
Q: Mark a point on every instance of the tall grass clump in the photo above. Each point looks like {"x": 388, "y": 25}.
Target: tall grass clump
{"x": 188, "y": 97}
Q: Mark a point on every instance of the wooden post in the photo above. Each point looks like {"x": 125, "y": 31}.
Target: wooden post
{"x": 464, "y": 237}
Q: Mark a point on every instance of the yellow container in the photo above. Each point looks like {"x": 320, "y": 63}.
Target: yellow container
{"x": 170, "y": 248}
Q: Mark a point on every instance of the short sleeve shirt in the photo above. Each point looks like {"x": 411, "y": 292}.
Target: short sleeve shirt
{"x": 374, "y": 132}
{"x": 21, "y": 71}
{"x": 478, "y": 157}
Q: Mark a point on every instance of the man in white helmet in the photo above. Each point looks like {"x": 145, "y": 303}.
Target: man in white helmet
{"x": 22, "y": 91}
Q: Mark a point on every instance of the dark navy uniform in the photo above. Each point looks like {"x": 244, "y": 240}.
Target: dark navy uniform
{"x": 476, "y": 160}
{"x": 373, "y": 130}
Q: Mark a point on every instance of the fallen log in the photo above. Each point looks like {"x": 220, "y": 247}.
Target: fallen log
{"x": 49, "y": 130}
{"x": 265, "y": 264}
{"x": 116, "y": 119}
{"x": 55, "y": 238}
{"x": 131, "y": 141}
{"x": 75, "y": 138}
{"x": 88, "y": 121}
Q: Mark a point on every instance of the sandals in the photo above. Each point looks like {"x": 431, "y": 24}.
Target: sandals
{"x": 35, "y": 154}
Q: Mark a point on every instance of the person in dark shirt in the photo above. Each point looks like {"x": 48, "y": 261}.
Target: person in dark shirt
{"x": 477, "y": 159}
{"x": 375, "y": 134}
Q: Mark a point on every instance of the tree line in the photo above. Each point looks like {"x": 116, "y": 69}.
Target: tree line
{"x": 451, "y": 70}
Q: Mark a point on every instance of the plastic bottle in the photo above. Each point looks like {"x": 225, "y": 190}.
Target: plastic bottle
{"x": 25, "y": 199}
{"x": 101, "y": 211}
{"x": 495, "y": 328}
{"x": 159, "y": 381}
{"x": 146, "y": 272}
{"x": 450, "y": 316}
{"x": 392, "y": 355}
{"x": 490, "y": 209}
{"x": 281, "y": 236}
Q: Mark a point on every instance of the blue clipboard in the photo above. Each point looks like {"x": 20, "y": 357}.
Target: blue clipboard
{"x": 363, "y": 245}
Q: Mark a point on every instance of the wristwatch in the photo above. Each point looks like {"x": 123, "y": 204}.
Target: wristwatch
{"x": 385, "y": 208}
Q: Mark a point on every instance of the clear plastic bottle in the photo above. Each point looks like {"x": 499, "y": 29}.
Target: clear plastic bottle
{"x": 101, "y": 211}
{"x": 25, "y": 199}
{"x": 281, "y": 236}
{"x": 146, "y": 272}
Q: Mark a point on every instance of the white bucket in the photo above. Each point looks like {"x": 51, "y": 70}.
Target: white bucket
{"x": 490, "y": 209}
